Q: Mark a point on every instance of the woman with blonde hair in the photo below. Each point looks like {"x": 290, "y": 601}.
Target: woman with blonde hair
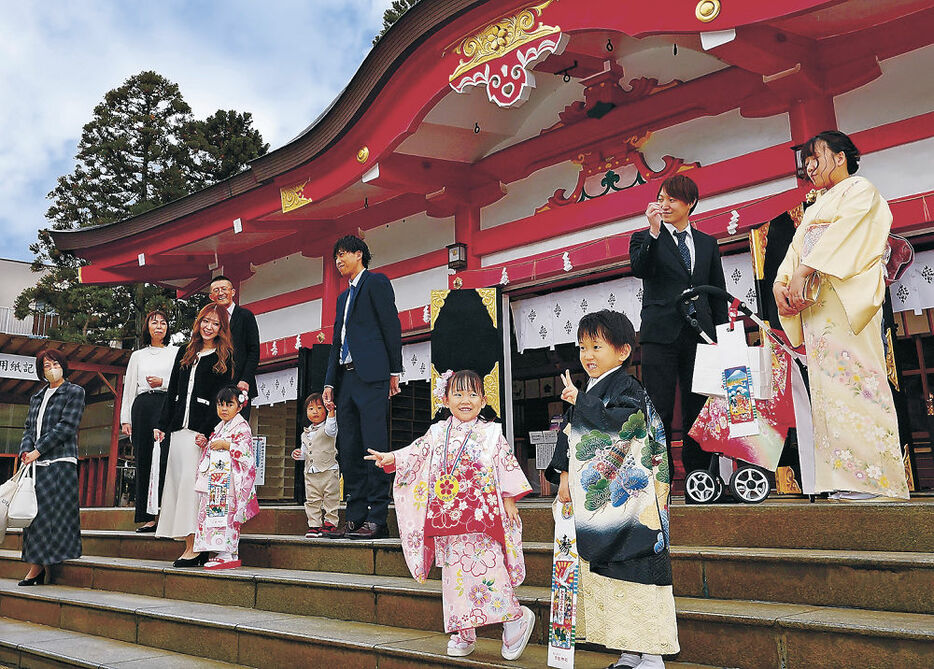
{"x": 201, "y": 369}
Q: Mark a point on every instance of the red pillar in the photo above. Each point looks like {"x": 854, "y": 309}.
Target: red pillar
{"x": 332, "y": 288}
{"x": 811, "y": 116}
{"x": 111, "y": 487}
{"x": 466, "y": 225}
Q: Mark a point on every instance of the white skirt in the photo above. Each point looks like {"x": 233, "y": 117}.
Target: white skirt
{"x": 178, "y": 515}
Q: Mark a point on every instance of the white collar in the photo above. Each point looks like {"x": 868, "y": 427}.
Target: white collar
{"x": 672, "y": 230}
{"x": 230, "y": 425}
{"x": 230, "y": 309}
{"x": 356, "y": 279}
{"x": 592, "y": 382}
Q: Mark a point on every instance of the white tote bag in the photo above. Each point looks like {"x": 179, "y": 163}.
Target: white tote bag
{"x": 7, "y": 491}
{"x": 23, "y": 506}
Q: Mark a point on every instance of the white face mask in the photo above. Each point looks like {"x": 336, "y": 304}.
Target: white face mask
{"x": 53, "y": 374}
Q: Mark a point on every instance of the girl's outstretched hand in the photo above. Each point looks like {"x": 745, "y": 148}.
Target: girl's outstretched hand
{"x": 569, "y": 394}
{"x": 509, "y": 506}
{"x": 382, "y": 460}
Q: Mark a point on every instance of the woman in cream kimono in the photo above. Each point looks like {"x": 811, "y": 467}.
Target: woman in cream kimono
{"x": 856, "y": 452}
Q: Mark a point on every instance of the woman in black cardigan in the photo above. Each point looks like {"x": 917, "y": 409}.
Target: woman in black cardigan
{"x": 201, "y": 369}
{"x": 51, "y": 441}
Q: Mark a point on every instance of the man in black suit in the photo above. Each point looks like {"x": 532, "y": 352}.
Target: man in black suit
{"x": 364, "y": 368}
{"x": 671, "y": 257}
{"x": 245, "y": 335}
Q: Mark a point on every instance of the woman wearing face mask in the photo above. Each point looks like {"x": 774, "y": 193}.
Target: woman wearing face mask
{"x": 201, "y": 369}
{"x": 51, "y": 441}
{"x": 144, "y": 390}
{"x": 856, "y": 453}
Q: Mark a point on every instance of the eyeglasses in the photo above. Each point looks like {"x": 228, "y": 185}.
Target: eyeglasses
{"x": 220, "y": 291}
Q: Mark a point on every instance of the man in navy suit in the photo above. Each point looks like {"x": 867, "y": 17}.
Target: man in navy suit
{"x": 245, "y": 335}
{"x": 364, "y": 370}
{"x": 671, "y": 257}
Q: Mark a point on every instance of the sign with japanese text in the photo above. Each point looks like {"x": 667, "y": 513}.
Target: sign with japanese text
{"x": 17, "y": 367}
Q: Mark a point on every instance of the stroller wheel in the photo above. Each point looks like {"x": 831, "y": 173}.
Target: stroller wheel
{"x": 702, "y": 487}
{"x": 749, "y": 484}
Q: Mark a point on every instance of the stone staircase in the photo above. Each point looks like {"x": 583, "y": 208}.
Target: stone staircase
{"x": 781, "y": 584}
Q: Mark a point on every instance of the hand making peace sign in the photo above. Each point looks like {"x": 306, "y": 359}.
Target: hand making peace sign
{"x": 569, "y": 394}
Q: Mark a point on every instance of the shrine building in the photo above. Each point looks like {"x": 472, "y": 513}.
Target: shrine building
{"x": 515, "y": 145}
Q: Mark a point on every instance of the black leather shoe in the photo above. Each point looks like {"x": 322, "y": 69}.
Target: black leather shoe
{"x": 370, "y": 531}
{"x": 38, "y": 579}
{"x": 196, "y": 561}
{"x": 144, "y": 529}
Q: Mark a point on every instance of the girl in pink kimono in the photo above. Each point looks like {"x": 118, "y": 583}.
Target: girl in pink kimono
{"x": 455, "y": 493}
{"x": 226, "y": 473}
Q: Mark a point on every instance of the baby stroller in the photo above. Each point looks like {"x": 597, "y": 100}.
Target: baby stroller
{"x": 743, "y": 463}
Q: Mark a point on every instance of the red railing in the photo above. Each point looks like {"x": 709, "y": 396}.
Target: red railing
{"x": 92, "y": 479}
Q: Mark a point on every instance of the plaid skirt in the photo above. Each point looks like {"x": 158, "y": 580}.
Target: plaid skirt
{"x": 55, "y": 534}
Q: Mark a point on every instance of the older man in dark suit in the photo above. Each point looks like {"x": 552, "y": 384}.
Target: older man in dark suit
{"x": 245, "y": 335}
{"x": 671, "y": 257}
{"x": 364, "y": 369}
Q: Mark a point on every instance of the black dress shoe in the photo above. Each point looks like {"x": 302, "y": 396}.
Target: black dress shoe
{"x": 196, "y": 561}
{"x": 370, "y": 531}
{"x": 143, "y": 529}
{"x": 38, "y": 579}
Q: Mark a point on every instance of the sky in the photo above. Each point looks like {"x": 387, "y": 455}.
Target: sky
{"x": 283, "y": 61}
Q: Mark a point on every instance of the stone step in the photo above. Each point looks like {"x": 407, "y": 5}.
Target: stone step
{"x": 885, "y": 581}
{"x": 24, "y": 644}
{"x": 776, "y": 523}
{"x": 721, "y": 633}
{"x": 253, "y": 637}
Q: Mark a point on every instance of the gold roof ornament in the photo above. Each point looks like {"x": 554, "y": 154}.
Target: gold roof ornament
{"x": 707, "y": 10}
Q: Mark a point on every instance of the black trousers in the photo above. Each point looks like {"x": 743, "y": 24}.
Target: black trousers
{"x": 362, "y": 423}
{"x": 665, "y": 367}
{"x": 144, "y": 416}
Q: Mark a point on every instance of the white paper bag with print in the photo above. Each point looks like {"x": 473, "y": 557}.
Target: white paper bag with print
{"x": 152, "y": 496}
{"x": 565, "y": 581}
{"x": 737, "y": 381}
{"x": 708, "y": 378}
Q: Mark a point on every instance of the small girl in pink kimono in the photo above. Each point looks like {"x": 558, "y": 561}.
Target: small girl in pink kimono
{"x": 224, "y": 483}
{"x": 455, "y": 494}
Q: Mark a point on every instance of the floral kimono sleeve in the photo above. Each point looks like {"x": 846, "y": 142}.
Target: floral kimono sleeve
{"x": 410, "y": 494}
{"x": 512, "y": 480}
{"x": 243, "y": 475}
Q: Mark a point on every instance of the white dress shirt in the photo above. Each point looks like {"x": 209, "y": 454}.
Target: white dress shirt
{"x": 356, "y": 283}
{"x": 689, "y": 240}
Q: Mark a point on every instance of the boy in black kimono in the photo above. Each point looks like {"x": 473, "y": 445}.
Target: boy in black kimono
{"x": 611, "y": 462}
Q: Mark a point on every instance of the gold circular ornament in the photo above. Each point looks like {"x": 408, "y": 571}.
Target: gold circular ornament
{"x": 363, "y": 154}
{"x": 458, "y": 282}
{"x": 321, "y": 337}
{"x": 707, "y": 10}
{"x": 446, "y": 487}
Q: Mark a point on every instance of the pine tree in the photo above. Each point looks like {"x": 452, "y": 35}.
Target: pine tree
{"x": 393, "y": 14}
{"x": 141, "y": 149}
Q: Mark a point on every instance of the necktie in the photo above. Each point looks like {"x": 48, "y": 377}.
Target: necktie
{"x": 345, "y": 346}
{"x": 686, "y": 257}
{"x": 683, "y": 248}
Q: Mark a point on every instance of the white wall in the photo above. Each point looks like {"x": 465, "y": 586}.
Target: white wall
{"x": 523, "y": 197}
{"x": 414, "y": 290}
{"x": 901, "y": 170}
{"x": 710, "y": 139}
{"x": 279, "y": 276}
{"x": 408, "y": 237}
{"x": 289, "y": 321}
{"x": 15, "y": 277}
{"x": 905, "y": 89}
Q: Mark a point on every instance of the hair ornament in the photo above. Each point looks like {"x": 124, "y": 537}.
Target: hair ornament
{"x": 441, "y": 388}
{"x": 243, "y": 397}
